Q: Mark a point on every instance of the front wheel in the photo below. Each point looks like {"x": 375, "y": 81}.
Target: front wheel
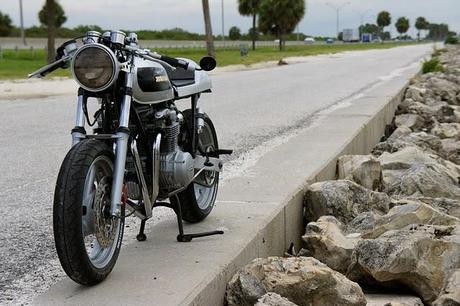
{"x": 87, "y": 237}
{"x": 198, "y": 199}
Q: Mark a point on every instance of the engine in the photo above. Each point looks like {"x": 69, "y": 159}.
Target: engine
{"x": 176, "y": 166}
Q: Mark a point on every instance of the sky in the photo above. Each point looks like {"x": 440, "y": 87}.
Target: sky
{"x": 319, "y": 20}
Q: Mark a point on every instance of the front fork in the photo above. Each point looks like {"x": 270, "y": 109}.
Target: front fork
{"x": 121, "y": 140}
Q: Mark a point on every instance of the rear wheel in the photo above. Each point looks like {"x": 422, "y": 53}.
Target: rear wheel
{"x": 87, "y": 237}
{"x": 198, "y": 199}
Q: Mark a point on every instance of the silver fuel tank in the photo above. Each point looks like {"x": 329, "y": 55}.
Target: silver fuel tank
{"x": 151, "y": 82}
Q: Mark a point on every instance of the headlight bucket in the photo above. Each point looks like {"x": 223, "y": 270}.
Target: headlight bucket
{"x": 95, "y": 67}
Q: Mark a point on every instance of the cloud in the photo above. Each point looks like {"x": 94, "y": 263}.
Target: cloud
{"x": 320, "y": 19}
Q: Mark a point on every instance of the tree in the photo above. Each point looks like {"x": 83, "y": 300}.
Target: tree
{"x": 280, "y": 17}
{"x": 383, "y": 20}
{"x": 234, "y": 33}
{"x": 438, "y": 31}
{"x": 50, "y": 17}
{"x": 402, "y": 25}
{"x": 208, "y": 29}
{"x": 250, "y": 8}
{"x": 421, "y": 24}
{"x": 369, "y": 28}
{"x": 5, "y": 25}
{"x": 59, "y": 15}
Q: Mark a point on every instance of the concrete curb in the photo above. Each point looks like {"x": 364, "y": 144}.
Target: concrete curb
{"x": 262, "y": 216}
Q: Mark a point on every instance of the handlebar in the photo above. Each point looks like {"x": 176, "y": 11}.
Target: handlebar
{"x": 49, "y": 68}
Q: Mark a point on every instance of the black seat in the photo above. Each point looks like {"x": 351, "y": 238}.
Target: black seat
{"x": 180, "y": 77}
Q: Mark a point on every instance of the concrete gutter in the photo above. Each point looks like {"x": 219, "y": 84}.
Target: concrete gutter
{"x": 260, "y": 211}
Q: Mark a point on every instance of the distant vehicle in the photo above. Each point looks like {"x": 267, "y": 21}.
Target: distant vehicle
{"x": 309, "y": 40}
{"x": 351, "y": 35}
{"x": 329, "y": 40}
{"x": 366, "y": 37}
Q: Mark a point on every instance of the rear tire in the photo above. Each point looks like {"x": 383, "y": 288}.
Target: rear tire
{"x": 198, "y": 200}
{"x": 80, "y": 210}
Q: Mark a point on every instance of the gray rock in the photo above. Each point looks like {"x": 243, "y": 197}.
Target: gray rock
{"x": 412, "y": 172}
{"x": 365, "y": 170}
{"x": 450, "y": 150}
{"x": 414, "y": 212}
{"x": 302, "y": 280}
{"x": 424, "y": 141}
{"x": 273, "y": 299}
{"x": 429, "y": 180}
{"x": 375, "y": 299}
{"x": 363, "y": 223}
{"x": 419, "y": 257}
{"x": 325, "y": 240}
{"x": 446, "y": 130}
{"x": 343, "y": 199}
{"x": 412, "y": 121}
{"x": 450, "y": 294}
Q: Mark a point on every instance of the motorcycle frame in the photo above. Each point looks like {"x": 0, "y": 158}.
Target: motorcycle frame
{"x": 121, "y": 142}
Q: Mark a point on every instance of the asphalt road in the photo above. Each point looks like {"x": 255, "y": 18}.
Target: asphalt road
{"x": 249, "y": 109}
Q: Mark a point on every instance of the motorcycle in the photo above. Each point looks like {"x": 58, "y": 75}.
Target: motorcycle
{"x": 143, "y": 152}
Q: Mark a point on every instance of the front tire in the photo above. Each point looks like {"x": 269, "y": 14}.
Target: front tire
{"x": 198, "y": 199}
{"x": 87, "y": 238}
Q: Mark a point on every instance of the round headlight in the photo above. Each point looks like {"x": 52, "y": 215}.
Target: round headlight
{"x": 95, "y": 67}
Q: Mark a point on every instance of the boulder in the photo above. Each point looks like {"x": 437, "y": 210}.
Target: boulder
{"x": 419, "y": 257}
{"x": 362, "y": 169}
{"x": 325, "y": 240}
{"x": 343, "y": 199}
{"x": 416, "y": 93}
{"x": 429, "y": 180}
{"x": 424, "y": 141}
{"x": 273, "y": 299}
{"x": 445, "y": 89}
{"x": 412, "y": 121}
{"x": 445, "y": 205}
{"x": 375, "y": 299}
{"x": 412, "y": 172}
{"x": 446, "y": 130}
{"x": 450, "y": 150}
{"x": 302, "y": 280}
{"x": 450, "y": 293}
{"x": 414, "y": 212}
{"x": 363, "y": 223}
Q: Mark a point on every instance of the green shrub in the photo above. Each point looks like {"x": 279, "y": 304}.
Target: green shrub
{"x": 432, "y": 65}
{"x": 452, "y": 40}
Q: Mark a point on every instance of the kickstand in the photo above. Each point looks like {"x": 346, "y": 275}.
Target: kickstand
{"x": 188, "y": 237}
{"x": 177, "y": 209}
{"x": 141, "y": 236}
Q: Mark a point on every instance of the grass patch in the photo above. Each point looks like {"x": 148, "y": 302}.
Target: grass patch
{"x": 17, "y": 64}
{"x": 432, "y": 65}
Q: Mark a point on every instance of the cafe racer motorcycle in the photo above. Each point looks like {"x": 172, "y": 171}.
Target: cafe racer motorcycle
{"x": 143, "y": 151}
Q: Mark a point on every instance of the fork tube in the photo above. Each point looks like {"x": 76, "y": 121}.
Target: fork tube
{"x": 78, "y": 132}
{"x": 121, "y": 146}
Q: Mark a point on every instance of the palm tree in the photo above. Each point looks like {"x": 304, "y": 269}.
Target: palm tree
{"x": 51, "y": 24}
{"x": 250, "y": 8}
{"x": 280, "y": 17}
{"x": 208, "y": 29}
{"x": 421, "y": 24}
{"x": 383, "y": 20}
{"x": 402, "y": 25}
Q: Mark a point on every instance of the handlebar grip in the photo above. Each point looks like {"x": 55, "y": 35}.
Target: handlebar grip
{"x": 175, "y": 62}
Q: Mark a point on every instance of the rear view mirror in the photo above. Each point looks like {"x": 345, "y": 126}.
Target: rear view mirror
{"x": 208, "y": 63}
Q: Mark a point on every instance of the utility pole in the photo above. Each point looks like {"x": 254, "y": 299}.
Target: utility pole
{"x": 223, "y": 22}
{"x": 362, "y": 15}
{"x": 337, "y": 8}
{"x": 21, "y": 17}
